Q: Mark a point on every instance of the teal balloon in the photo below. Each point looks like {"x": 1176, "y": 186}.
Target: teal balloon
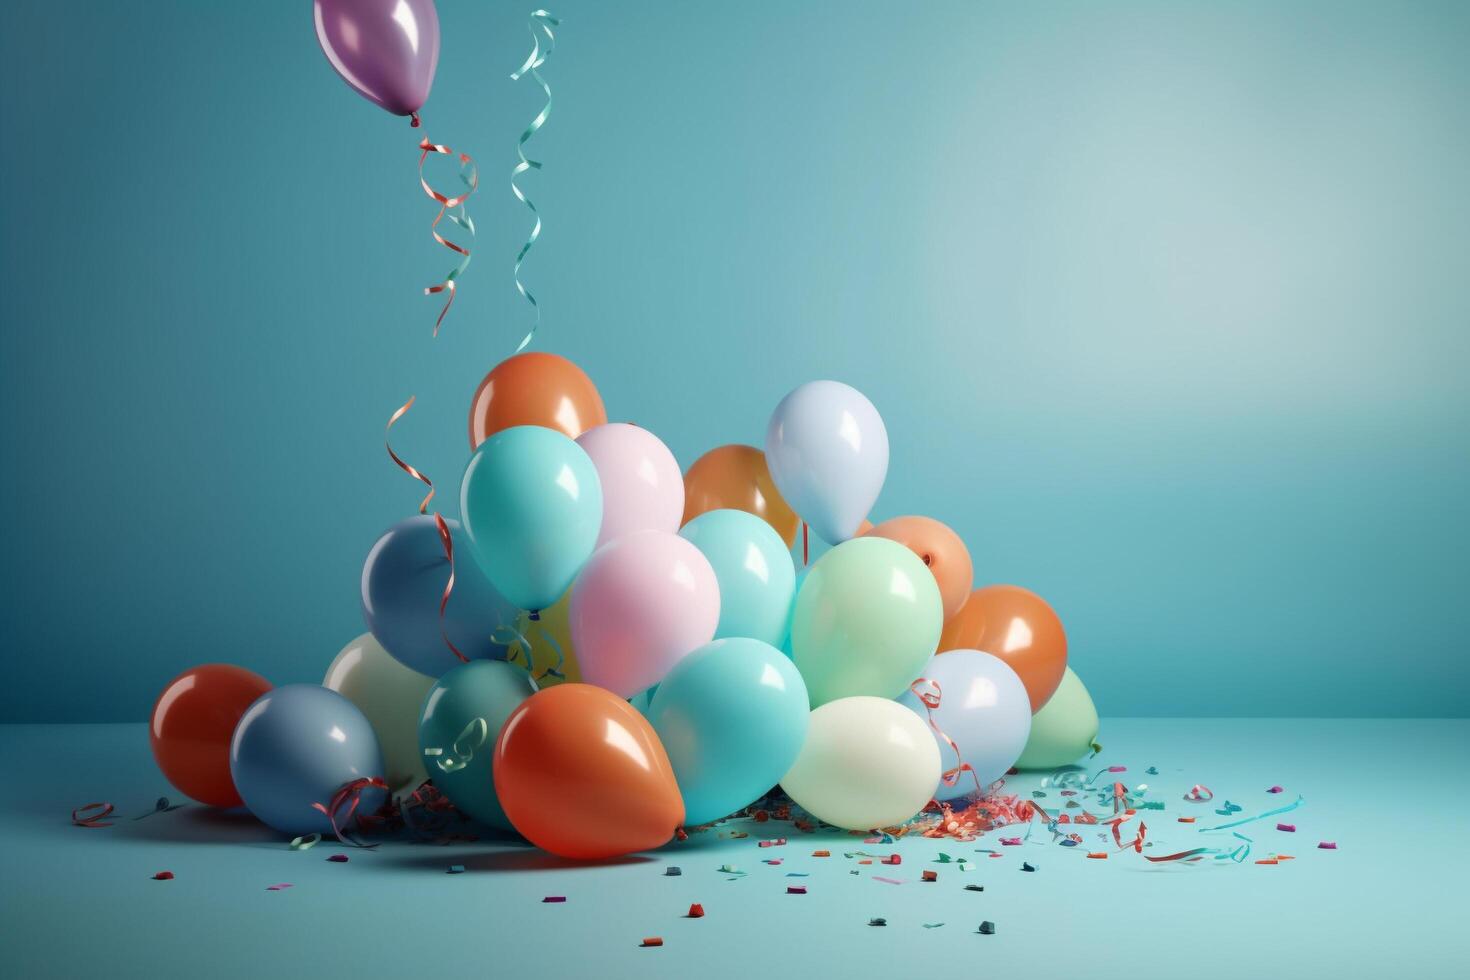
{"x": 791, "y": 613}
{"x": 531, "y": 503}
{"x": 755, "y": 571}
{"x": 462, "y": 717}
{"x": 732, "y": 716}
{"x": 867, "y": 619}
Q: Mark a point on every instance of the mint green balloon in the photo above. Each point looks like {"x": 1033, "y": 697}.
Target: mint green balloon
{"x": 867, "y": 619}
{"x": 1063, "y": 730}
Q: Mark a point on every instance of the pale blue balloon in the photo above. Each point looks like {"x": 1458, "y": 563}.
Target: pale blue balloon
{"x": 756, "y": 575}
{"x": 732, "y": 717}
{"x": 532, "y": 505}
{"x": 827, "y": 450}
{"x": 983, "y": 707}
{"x": 297, "y": 745}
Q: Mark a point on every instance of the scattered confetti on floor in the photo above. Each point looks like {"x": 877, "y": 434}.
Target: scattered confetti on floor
{"x": 554, "y": 899}
{"x": 696, "y": 911}
{"x": 987, "y": 928}
{"x": 279, "y": 888}
{"x": 652, "y": 941}
{"x": 338, "y": 858}
{"x": 163, "y": 876}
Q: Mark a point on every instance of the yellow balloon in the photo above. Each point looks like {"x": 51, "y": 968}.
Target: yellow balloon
{"x": 391, "y": 696}
{"x": 554, "y": 625}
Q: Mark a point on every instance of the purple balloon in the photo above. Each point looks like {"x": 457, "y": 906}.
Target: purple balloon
{"x": 385, "y": 49}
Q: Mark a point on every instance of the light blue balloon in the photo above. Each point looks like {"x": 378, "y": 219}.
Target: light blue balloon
{"x": 462, "y": 717}
{"x": 827, "y": 450}
{"x": 732, "y": 717}
{"x": 756, "y": 575}
{"x": 532, "y": 505}
{"x": 297, "y": 745}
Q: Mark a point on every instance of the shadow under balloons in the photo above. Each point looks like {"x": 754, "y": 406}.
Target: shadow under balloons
{"x": 196, "y": 824}
{"x": 510, "y": 857}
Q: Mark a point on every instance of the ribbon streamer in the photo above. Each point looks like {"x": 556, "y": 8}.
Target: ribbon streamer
{"x": 462, "y": 751}
{"x": 1260, "y": 816}
{"x": 929, "y": 693}
{"x": 452, "y": 207}
{"x": 541, "y": 23}
{"x": 161, "y": 806}
{"x": 80, "y": 817}
{"x": 398, "y": 461}
{"x": 349, "y": 795}
{"x": 448, "y": 543}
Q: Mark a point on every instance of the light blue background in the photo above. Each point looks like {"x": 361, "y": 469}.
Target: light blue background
{"x": 1165, "y": 306}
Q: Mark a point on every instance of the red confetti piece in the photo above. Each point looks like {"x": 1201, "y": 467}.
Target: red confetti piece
{"x": 774, "y": 861}
{"x": 821, "y": 854}
{"x": 554, "y": 899}
{"x": 1276, "y": 789}
{"x": 1186, "y": 819}
{"x": 1098, "y": 855}
{"x": 775, "y": 842}
{"x": 1010, "y": 842}
{"x": 893, "y": 859}
{"x": 866, "y": 861}
{"x": 279, "y": 888}
{"x": 1199, "y": 794}
{"x": 1327, "y": 845}
{"x": 651, "y": 941}
{"x": 930, "y": 876}
{"x": 796, "y": 889}
{"x": 81, "y": 818}
{"x": 1267, "y": 861}
{"x": 1289, "y": 828}
{"x": 163, "y": 876}
{"x": 338, "y": 859}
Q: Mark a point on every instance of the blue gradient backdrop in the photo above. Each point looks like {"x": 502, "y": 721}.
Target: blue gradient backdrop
{"x": 1165, "y": 305}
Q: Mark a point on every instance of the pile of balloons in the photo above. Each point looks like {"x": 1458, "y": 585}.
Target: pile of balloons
{"x": 603, "y": 649}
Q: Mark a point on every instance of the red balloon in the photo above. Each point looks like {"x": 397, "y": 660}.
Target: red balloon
{"x": 580, "y": 773}
{"x": 192, "y": 722}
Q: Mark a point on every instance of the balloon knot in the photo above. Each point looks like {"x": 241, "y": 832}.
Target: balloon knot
{"x": 413, "y": 120}
{"x": 534, "y": 616}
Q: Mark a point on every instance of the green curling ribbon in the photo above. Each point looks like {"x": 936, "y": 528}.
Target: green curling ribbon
{"x": 541, "y": 23}
{"x": 473, "y": 738}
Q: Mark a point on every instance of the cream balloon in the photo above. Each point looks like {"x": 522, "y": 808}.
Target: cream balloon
{"x": 1063, "y": 730}
{"x": 391, "y": 696}
{"x": 867, "y": 762}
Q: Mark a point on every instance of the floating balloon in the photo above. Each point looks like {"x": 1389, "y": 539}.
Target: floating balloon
{"x": 532, "y": 505}
{"x": 581, "y": 774}
{"x": 939, "y": 548}
{"x": 535, "y": 388}
{"x": 757, "y": 579}
{"x": 298, "y": 745}
{"x": 191, "y": 726}
{"x": 867, "y": 763}
{"x": 391, "y": 696}
{"x": 983, "y": 708}
{"x": 1064, "y": 729}
{"x": 386, "y": 50}
{"x": 550, "y": 636}
{"x": 828, "y": 453}
{"x": 463, "y": 714}
{"x": 736, "y": 477}
{"x": 642, "y": 488}
{"x": 403, "y": 583}
{"x": 1018, "y": 627}
{"x": 732, "y": 717}
{"x": 867, "y": 619}
{"x": 642, "y": 603}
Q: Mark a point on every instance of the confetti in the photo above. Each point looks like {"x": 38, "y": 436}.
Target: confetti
{"x": 1010, "y": 842}
{"x": 933, "y": 925}
{"x": 893, "y": 859}
{"x": 305, "y": 843}
{"x": 731, "y": 869}
{"x": 821, "y": 854}
{"x": 1186, "y": 819}
{"x": 877, "y": 922}
{"x": 338, "y": 858}
{"x": 455, "y": 869}
{"x": 163, "y": 876}
{"x": 929, "y": 876}
{"x": 673, "y": 871}
{"x": 1289, "y": 828}
{"x": 987, "y": 928}
{"x": 649, "y": 941}
{"x": 1259, "y": 816}
{"x": 1098, "y": 855}
{"x": 974, "y": 888}
{"x": 1228, "y": 809}
{"x": 943, "y": 859}
{"x": 797, "y": 874}
{"x": 1327, "y": 845}
{"x": 796, "y": 889}
{"x": 1152, "y": 770}
{"x": 773, "y": 861}
{"x": 279, "y": 888}
{"x": 775, "y": 842}
{"x": 1276, "y": 789}
{"x": 1027, "y": 866}
{"x": 554, "y": 899}
{"x": 696, "y": 911}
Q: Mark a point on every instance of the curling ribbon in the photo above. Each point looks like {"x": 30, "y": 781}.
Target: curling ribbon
{"x": 1259, "y": 816}
{"x": 405, "y": 467}
{"x": 462, "y": 751}
{"x": 1199, "y": 793}
{"x": 930, "y": 698}
{"x": 161, "y": 806}
{"x": 453, "y": 208}
{"x": 349, "y": 795}
{"x": 541, "y": 23}
{"x": 518, "y": 636}
{"x": 80, "y": 817}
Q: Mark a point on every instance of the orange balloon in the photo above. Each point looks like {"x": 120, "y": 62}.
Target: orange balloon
{"x": 193, "y": 720}
{"x": 580, "y": 773}
{"x": 1018, "y": 627}
{"x": 940, "y": 548}
{"x": 535, "y": 388}
{"x": 736, "y": 477}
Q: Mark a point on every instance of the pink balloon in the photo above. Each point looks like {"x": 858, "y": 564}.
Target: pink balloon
{"x": 640, "y": 605}
{"x": 642, "y": 488}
